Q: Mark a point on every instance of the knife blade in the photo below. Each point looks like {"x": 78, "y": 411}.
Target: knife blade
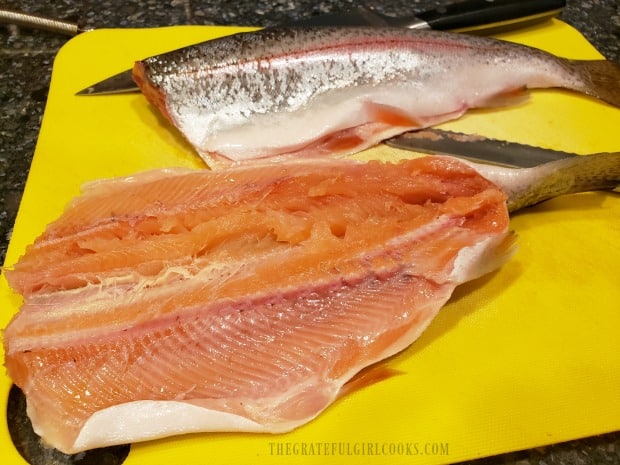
{"x": 472, "y": 16}
{"x": 476, "y": 148}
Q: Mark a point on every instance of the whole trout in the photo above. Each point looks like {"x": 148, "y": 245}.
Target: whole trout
{"x": 301, "y": 91}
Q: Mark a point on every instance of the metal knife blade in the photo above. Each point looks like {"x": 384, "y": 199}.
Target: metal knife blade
{"x": 472, "y": 16}
{"x": 476, "y": 148}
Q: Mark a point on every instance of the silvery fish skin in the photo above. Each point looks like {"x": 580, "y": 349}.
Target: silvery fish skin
{"x": 300, "y": 91}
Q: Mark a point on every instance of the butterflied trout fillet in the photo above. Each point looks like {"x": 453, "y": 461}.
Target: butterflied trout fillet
{"x": 298, "y": 92}
{"x": 241, "y": 299}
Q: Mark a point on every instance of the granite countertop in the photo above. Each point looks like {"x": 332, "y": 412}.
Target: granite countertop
{"x": 26, "y": 58}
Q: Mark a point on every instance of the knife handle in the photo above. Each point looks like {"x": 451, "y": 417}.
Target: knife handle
{"x": 484, "y": 15}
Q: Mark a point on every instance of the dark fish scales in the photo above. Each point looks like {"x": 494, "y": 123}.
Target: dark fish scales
{"x": 529, "y": 186}
{"x": 300, "y": 91}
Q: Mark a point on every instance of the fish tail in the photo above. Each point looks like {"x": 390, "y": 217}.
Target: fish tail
{"x": 601, "y": 79}
{"x": 600, "y": 171}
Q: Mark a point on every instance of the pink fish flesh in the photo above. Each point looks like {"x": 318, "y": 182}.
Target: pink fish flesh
{"x": 242, "y": 299}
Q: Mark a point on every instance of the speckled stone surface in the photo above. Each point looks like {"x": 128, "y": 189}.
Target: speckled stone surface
{"x": 26, "y": 58}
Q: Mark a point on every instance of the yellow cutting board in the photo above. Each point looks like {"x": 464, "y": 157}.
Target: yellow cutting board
{"x": 526, "y": 356}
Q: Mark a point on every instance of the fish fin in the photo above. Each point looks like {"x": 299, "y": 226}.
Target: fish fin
{"x": 599, "y": 171}
{"x": 367, "y": 377}
{"x": 390, "y": 115}
{"x": 600, "y": 78}
{"x": 340, "y": 142}
{"x": 507, "y": 97}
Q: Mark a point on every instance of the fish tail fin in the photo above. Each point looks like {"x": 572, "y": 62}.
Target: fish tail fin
{"x": 585, "y": 173}
{"x": 600, "y": 171}
{"x": 601, "y": 79}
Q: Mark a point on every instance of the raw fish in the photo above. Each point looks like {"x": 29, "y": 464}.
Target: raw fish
{"x": 245, "y": 299}
{"x": 333, "y": 91}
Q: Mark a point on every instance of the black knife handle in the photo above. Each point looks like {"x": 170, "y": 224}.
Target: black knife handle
{"x": 473, "y": 14}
